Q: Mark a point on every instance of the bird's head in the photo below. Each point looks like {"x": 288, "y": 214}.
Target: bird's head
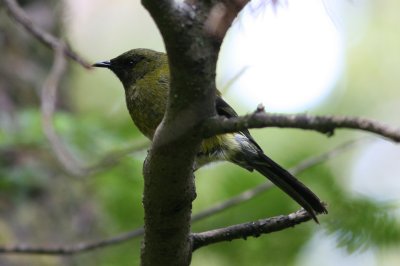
{"x": 131, "y": 66}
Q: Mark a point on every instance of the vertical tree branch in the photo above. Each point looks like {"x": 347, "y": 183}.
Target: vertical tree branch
{"x": 169, "y": 183}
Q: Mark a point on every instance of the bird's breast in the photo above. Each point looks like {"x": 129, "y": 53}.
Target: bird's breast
{"x": 146, "y": 110}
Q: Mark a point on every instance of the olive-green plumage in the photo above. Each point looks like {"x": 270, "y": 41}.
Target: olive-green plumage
{"x": 144, "y": 74}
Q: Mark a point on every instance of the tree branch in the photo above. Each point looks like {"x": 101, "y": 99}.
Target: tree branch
{"x": 244, "y": 230}
{"x": 19, "y": 15}
{"x": 168, "y": 180}
{"x": 73, "y": 249}
{"x": 48, "y": 101}
{"x": 323, "y": 124}
{"x": 221, "y": 17}
{"x": 112, "y": 158}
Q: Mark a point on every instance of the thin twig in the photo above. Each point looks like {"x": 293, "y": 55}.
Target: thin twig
{"x": 112, "y": 158}
{"x": 247, "y": 195}
{"x": 323, "y": 124}
{"x": 244, "y": 230}
{"x": 19, "y": 15}
{"x": 315, "y": 160}
{"x": 69, "y": 250}
{"x": 48, "y": 101}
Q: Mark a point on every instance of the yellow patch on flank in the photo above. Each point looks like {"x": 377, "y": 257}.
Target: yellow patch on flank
{"x": 225, "y": 141}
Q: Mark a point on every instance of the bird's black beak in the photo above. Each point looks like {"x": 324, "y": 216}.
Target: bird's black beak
{"x": 106, "y": 64}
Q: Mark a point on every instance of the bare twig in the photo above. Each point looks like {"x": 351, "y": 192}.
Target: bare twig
{"x": 112, "y": 158}
{"x": 236, "y": 200}
{"x": 69, "y": 250}
{"x": 253, "y": 192}
{"x": 323, "y": 124}
{"x": 48, "y": 100}
{"x": 19, "y": 15}
{"x": 244, "y": 230}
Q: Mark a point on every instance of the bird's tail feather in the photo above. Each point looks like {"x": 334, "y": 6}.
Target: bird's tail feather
{"x": 289, "y": 184}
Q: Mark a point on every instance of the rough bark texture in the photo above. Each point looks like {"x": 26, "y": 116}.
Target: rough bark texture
{"x": 324, "y": 124}
{"x": 168, "y": 170}
{"x": 254, "y": 229}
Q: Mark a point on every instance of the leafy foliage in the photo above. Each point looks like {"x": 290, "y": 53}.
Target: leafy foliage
{"x": 361, "y": 223}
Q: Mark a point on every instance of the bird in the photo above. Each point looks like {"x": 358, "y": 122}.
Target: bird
{"x": 145, "y": 76}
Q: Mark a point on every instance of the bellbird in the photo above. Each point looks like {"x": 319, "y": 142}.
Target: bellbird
{"x": 145, "y": 76}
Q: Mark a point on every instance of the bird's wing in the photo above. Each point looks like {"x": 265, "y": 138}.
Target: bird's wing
{"x": 224, "y": 109}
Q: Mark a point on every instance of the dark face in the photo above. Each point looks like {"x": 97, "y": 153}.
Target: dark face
{"x": 132, "y": 65}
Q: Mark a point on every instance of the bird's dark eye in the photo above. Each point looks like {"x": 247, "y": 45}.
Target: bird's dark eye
{"x": 134, "y": 60}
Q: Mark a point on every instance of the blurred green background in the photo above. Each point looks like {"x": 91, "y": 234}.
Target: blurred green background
{"x": 41, "y": 204}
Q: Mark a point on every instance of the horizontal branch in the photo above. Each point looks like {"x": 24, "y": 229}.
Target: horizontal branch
{"x": 19, "y": 15}
{"x": 69, "y": 250}
{"x": 323, "y": 124}
{"x": 245, "y": 230}
{"x": 255, "y": 229}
